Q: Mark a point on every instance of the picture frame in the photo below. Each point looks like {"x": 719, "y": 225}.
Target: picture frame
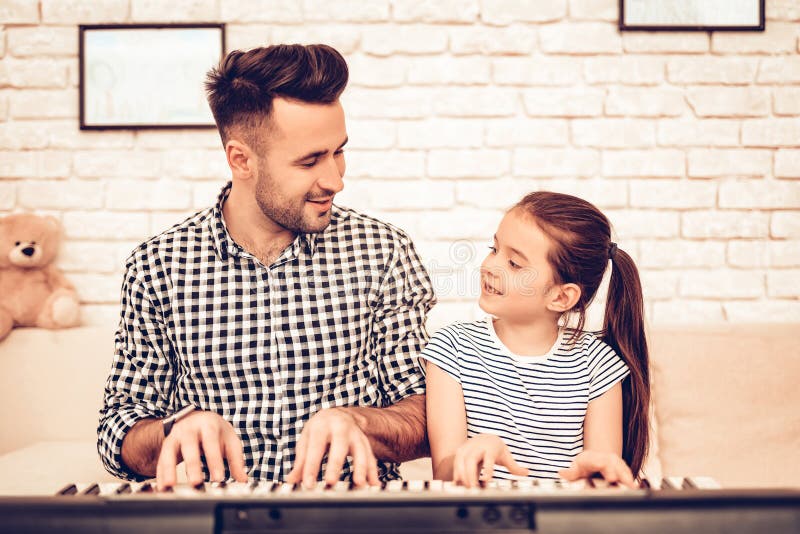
{"x": 691, "y": 15}
{"x": 147, "y": 76}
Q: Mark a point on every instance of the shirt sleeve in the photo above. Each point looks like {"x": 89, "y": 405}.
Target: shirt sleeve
{"x": 399, "y": 332}
{"x": 606, "y": 368}
{"x": 441, "y": 350}
{"x": 139, "y": 384}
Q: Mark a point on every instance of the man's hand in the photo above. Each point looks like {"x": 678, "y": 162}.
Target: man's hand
{"x": 481, "y": 453}
{"x": 610, "y": 465}
{"x": 336, "y": 432}
{"x": 199, "y": 433}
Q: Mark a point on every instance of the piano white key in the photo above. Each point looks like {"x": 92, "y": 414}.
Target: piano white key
{"x": 265, "y": 487}
{"x": 285, "y": 488}
{"x": 704, "y": 483}
{"x": 452, "y": 487}
{"x": 525, "y": 484}
{"x": 394, "y": 485}
{"x": 342, "y": 485}
{"x": 186, "y": 490}
{"x": 416, "y": 485}
{"x": 504, "y": 485}
{"x": 675, "y": 483}
{"x": 238, "y": 488}
{"x": 575, "y": 485}
{"x": 110, "y": 488}
{"x": 436, "y": 485}
{"x": 546, "y": 485}
{"x": 653, "y": 482}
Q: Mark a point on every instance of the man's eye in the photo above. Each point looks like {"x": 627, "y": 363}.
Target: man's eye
{"x": 309, "y": 164}
{"x": 339, "y": 152}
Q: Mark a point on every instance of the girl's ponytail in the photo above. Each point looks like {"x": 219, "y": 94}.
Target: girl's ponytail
{"x": 623, "y": 330}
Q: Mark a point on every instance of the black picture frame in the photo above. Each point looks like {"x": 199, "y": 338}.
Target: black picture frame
{"x": 105, "y": 107}
{"x": 758, "y": 27}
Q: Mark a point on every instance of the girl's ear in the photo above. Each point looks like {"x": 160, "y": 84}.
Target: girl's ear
{"x": 563, "y": 297}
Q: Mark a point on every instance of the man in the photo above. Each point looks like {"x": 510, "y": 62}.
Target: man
{"x": 277, "y": 326}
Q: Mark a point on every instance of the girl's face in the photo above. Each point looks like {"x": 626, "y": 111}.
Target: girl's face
{"x": 516, "y": 278}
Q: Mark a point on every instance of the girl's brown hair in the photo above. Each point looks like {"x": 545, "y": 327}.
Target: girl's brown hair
{"x": 581, "y": 247}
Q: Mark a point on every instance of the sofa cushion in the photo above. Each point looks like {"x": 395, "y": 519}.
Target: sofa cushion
{"x": 51, "y": 384}
{"x": 727, "y": 400}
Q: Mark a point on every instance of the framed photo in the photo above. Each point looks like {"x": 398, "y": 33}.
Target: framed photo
{"x": 147, "y": 75}
{"x": 691, "y": 15}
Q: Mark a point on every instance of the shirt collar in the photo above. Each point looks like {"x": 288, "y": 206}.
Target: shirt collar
{"x": 224, "y": 244}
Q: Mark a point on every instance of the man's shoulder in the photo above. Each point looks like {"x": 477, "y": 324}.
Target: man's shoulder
{"x": 349, "y": 222}
{"x": 170, "y": 240}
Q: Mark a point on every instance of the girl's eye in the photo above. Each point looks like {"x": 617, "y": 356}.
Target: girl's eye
{"x": 513, "y": 265}
{"x": 493, "y": 249}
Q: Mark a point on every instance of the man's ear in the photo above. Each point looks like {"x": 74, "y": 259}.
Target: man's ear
{"x": 563, "y": 297}
{"x": 241, "y": 160}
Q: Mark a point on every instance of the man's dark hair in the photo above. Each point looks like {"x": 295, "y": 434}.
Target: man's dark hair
{"x": 240, "y": 90}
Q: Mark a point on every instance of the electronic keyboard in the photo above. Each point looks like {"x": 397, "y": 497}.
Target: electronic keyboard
{"x": 668, "y": 505}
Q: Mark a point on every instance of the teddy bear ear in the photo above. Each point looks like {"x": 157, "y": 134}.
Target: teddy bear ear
{"x": 54, "y": 223}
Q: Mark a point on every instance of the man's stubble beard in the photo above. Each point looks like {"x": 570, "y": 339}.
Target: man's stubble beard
{"x": 289, "y": 214}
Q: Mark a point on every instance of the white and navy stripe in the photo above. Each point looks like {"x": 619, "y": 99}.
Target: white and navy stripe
{"x": 536, "y": 404}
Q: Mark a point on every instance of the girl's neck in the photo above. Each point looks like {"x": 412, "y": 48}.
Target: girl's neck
{"x": 527, "y": 338}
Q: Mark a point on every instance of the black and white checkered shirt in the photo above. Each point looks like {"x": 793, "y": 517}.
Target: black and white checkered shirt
{"x": 337, "y": 320}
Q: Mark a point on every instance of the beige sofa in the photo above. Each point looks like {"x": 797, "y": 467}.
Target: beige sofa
{"x": 726, "y": 404}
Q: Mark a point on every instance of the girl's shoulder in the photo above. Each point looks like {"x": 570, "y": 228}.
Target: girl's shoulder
{"x": 588, "y": 343}
{"x": 460, "y": 332}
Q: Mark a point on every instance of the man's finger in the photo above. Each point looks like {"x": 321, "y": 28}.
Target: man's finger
{"x": 212, "y": 450}
{"x": 313, "y": 461}
{"x": 361, "y": 453}
{"x": 372, "y": 470}
{"x": 166, "y": 468}
{"x": 234, "y": 452}
{"x": 337, "y": 454}
{"x": 190, "y": 449}
{"x": 296, "y": 474}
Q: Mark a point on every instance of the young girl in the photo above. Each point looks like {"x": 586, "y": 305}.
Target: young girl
{"x": 518, "y": 394}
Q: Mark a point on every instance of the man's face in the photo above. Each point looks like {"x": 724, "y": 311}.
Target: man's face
{"x": 303, "y": 164}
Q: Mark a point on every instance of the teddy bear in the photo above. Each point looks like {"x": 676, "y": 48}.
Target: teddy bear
{"x": 33, "y": 292}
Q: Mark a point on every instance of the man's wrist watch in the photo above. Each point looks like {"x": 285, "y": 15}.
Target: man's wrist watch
{"x": 168, "y": 422}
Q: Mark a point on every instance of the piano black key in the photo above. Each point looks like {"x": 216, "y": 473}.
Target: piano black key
{"x": 69, "y": 489}
{"x": 94, "y": 489}
{"x": 123, "y": 488}
{"x": 644, "y": 484}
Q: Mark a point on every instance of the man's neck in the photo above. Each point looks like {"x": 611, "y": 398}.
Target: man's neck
{"x": 251, "y": 229}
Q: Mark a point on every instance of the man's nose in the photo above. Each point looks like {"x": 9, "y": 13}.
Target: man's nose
{"x": 331, "y": 180}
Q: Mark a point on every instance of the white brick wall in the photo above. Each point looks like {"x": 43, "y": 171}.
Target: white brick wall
{"x": 456, "y": 108}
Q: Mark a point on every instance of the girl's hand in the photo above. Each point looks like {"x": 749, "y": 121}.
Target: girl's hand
{"x": 610, "y": 465}
{"x": 483, "y": 451}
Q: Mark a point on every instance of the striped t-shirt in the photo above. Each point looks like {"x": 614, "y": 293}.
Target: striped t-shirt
{"x": 536, "y": 404}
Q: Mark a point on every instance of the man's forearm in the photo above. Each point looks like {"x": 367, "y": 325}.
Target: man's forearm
{"x": 396, "y": 433}
{"x": 142, "y": 445}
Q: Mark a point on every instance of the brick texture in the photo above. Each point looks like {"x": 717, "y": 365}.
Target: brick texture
{"x": 689, "y": 142}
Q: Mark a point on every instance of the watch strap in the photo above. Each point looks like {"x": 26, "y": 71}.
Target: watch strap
{"x": 169, "y": 422}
